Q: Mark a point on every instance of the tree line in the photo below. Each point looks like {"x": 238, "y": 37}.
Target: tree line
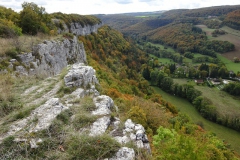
{"x": 33, "y": 19}
{"x": 203, "y": 104}
{"x": 233, "y": 88}
{"x": 185, "y": 37}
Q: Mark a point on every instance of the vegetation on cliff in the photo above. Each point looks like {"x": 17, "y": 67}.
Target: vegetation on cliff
{"x": 123, "y": 71}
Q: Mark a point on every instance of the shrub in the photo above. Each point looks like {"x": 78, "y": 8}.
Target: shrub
{"x": 65, "y": 90}
{"x": 83, "y": 120}
{"x": 12, "y": 54}
{"x": 65, "y": 116}
{"x": 88, "y": 104}
{"x": 8, "y": 29}
{"x": 91, "y": 148}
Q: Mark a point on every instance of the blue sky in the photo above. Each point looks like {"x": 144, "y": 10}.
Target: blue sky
{"x": 116, "y": 6}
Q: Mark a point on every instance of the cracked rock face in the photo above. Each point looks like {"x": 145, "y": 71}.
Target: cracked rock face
{"x": 50, "y": 57}
{"x": 100, "y": 126}
{"x": 80, "y": 76}
{"x": 103, "y": 104}
{"x": 40, "y": 118}
{"x": 77, "y": 28}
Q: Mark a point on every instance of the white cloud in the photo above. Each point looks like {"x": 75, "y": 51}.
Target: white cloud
{"x": 124, "y": 1}
{"x": 115, "y": 6}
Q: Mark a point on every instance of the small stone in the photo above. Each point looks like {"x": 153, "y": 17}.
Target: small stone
{"x": 13, "y": 60}
{"x": 124, "y": 154}
{"x": 33, "y": 143}
{"x": 129, "y": 124}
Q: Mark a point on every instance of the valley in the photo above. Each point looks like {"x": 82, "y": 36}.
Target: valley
{"x": 230, "y": 136}
{"x": 151, "y": 85}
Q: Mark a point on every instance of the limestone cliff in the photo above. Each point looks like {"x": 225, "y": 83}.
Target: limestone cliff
{"x": 77, "y": 28}
{"x": 50, "y": 57}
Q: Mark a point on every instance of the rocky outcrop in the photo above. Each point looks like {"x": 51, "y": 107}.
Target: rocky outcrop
{"x": 124, "y": 154}
{"x": 50, "y": 57}
{"x": 104, "y": 104}
{"x": 132, "y": 132}
{"x": 80, "y": 76}
{"x": 100, "y": 126}
{"x": 76, "y": 28}
{"x": 40, "y": 118}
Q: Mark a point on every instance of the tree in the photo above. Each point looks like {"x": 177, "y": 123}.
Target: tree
{"x": 223, "y": 72}
{"x": 203, "y": 74}
{"x": 146, "y": 73}
{"x": 166, "y": 84}
{"x": 153, "y": 76}
{"x": 160, "y": 77}
{"x": 236, "y": 60}
{"x": 34, "y": 19}
{"x": 138, "y": 115}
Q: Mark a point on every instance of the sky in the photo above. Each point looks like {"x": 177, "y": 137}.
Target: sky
{"x": 85, "y": 7}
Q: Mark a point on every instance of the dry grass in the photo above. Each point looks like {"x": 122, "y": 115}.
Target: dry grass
{"x": 5, "y": 45}
{"x": 23, "y": 43}
{"x": 6, "y": 85}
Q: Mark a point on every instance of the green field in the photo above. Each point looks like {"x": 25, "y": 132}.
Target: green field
{"x": 187, "y": 60}
{"x": 163, "y": 60}
{"x": 230, "y": 136}
{"x": 231, "y": 66}
{"x": 224, "y": 102}
{"x": 231, "y": 31}
{"x": 162, "y": 47}
{"x": 200, "y": 55}
{"x": 207, "y": 30}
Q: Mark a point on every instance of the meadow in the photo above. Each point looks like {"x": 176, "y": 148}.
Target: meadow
{"x": 230, "y": 136}
{"x": 224, "y": 102}
{"x": 233, "y": 36}
{"x": 231, "y": 66}
{"x": 162, "y": 47}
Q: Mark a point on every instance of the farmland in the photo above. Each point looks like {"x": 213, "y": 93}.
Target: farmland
{"x": 229, "y": 64}
{"x": 229, "y": 135}
{"x": 224, "y": 102}
{"x": 233, "y": 36}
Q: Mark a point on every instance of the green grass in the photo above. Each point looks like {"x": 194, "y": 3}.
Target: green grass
{"x": 200, "y": 55}
{"x": 163, "y": 60}
{"x": 225, "y": 103}
{"x": 231, "y": 31}
{"x": 229, "y": 64}
{"x": 230, "y": 136}
{"x": 187, "y": 60}
{"x": 184, "y": 81}
{"x": 162, "y": 47}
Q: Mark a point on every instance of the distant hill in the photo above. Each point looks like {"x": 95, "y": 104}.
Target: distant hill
{"x": 136, "y": 23}
{"x": 233, "y": 19}
{"x": 119, "y": 21}
{"x": 149, "y": 24}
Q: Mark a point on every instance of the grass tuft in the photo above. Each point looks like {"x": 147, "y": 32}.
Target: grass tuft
{"x": 91, "y": 148}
